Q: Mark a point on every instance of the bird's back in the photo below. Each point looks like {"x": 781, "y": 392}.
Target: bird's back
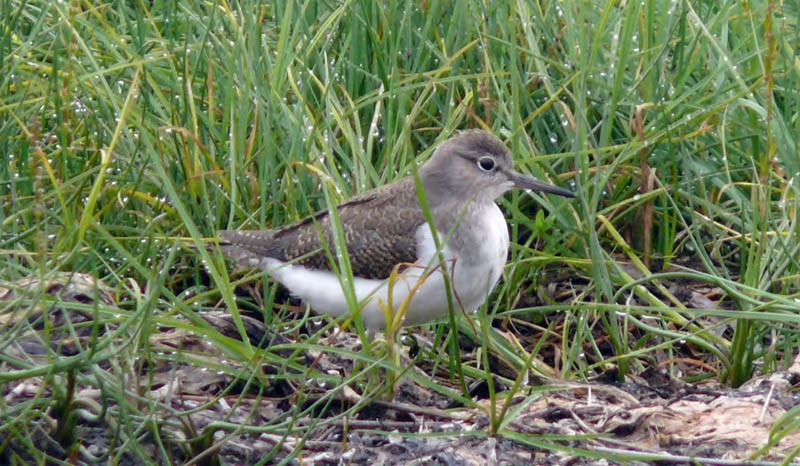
{"x": 379, "y": 229}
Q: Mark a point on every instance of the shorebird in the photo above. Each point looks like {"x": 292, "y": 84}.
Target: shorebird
{"x": 385, "y": 231}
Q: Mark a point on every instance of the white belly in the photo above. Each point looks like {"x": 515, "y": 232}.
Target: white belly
{"x": 421, "y": 288}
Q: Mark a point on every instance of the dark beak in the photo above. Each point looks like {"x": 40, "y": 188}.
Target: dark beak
{"x": 528, "y": 182}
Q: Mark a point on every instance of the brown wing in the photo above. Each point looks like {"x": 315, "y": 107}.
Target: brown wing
{"x": 379, "y": 230}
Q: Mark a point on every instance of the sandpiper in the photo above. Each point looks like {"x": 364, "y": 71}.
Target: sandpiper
{"x": 385, "y": 230}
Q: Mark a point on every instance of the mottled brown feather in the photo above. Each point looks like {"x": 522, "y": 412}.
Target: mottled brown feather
{"x": 379, "y": 228}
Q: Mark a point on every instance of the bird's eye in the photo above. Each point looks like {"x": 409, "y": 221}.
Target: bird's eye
{"x": 486, "y": 163}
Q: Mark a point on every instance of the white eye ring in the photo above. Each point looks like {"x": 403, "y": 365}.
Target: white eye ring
{"x": 487, "y": 164}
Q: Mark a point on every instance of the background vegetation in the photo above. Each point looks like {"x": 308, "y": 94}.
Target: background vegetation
{"x": 132, "y": 131}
